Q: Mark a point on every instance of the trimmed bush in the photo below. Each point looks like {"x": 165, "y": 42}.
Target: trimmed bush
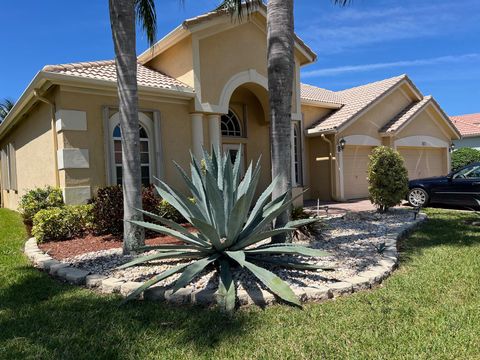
{"x": 463, "y": 157}
{"x": 38, "y": 199}
{"x": 62, "y": 223}
{"x": 166, "y": 210}
{"x": 387, "y": 178}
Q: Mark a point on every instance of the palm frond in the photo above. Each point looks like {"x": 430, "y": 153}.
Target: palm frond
{"x": 239, "y": 7}
{"x": 5, "y": 106}
{"x": 147, "y": 18}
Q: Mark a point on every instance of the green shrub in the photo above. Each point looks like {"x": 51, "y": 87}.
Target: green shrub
{"x": 38, "y": 199}
{"x": 463, "y": 157}
{"x": 62, "y": 223}
{"x": 387, "y": 178}
{"x": 108, "y": 209}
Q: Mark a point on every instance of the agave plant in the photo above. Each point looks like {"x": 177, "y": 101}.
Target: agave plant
{"x": 229, "y": 230}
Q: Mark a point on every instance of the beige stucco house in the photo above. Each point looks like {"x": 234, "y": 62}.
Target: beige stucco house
{"x": 205, "y": 84}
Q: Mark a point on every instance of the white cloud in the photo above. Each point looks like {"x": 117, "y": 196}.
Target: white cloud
{"x": 388, "y": 65}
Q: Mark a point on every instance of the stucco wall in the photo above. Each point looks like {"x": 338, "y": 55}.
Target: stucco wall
{"x": 471, "y": 142}
{"x": 424, "y": 124}
{"x": 33, "y": 142}
{"x": 177, "y": 61}
{"x": 175, "y": 136}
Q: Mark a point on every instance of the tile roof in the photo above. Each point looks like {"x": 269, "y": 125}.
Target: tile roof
{"x": 313, "y": 93}
{"x": 356, "y": 100}
{"x": 409, "y": 112}
{"x": 106, "y": 70}
{"x": 468, "y": 125}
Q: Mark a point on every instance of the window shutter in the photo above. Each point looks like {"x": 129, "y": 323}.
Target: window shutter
{"x": 5, "y": 166}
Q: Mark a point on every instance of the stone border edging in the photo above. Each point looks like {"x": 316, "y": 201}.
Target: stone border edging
{"x": 362, "y": 281}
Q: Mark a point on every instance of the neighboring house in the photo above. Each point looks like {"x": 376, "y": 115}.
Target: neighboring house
{"x": 469, "y": 127}
{"x": 203, "y": 85}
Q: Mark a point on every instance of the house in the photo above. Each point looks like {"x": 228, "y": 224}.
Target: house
{"x": 469, "y": 127}
{"x": 205, "y": 84}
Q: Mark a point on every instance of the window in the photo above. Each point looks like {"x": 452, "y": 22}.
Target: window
{"x": 471, "y": 172}
{"x": 8, "y": 169}
{"x": 144, "y": 155}
{"x": 231, "y": 125}
{"x": 297, "y": 170}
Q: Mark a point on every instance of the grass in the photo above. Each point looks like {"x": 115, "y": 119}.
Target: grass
{"x": 429, "y": 309}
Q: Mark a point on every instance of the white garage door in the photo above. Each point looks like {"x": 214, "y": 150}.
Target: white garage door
{"x": 355, "y": 165}
{"x": 424, "y": 162}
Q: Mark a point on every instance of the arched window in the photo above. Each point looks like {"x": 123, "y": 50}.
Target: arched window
{"x": 144, "y": 155}
{"x": 231, "y": 125}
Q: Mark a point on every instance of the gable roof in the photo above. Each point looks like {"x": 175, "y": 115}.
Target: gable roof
{"x": 316, "y": 94}
{"x": 106, "y": 70}
{"x": 407, "y": 114}
{"x": 355, "y": 100}
{"x": 188, "y": 25}
{"x": 468, "y": 125}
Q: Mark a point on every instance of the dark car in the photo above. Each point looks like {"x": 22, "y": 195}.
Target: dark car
{"x": 459, "y": 188}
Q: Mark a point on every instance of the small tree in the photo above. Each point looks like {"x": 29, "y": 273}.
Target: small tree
{"x": 463, "y": 157}
{"x": 387, "y": 178}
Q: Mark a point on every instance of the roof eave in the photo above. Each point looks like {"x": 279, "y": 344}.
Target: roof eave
{"x": 323, "y": 104}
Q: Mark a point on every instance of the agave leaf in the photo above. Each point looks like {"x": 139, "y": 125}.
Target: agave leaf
{"x": 209, "y": 167}
{"x": 289, "y": 264}
{"x": 153, "y": 281}
{"x": 208, "y": 231}
{"x": 221, "y": 160}
{"x": 301, "y": 222}
{"x": 228, "y": 190}
{"x": 193, "y": 270}
{"x": 226, "y": 286}
{"x": 236, "y": 169}
{"x": 236, "y": 220}
{"x": 170, "y": 224}
{"x": 244, "y": 184}
{"x": 257, "y": 209}
{"x": 274, "y": 283}
{"x": 216, "y": 203}
{"x": 168, "y": 247}
{"x": 238, "y": 256}
{"x": 162, "y": 255}
{"x": 191, "y": 186}
{"x": 292, "y": 249}
{"x": 179, "y": 201}
{"x": 252, "y": 239}
{"x": 167, "y": 231}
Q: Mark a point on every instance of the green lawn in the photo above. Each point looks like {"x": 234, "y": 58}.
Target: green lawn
{"x": 429, "y": 309}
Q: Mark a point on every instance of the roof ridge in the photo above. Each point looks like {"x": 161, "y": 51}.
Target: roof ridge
{"x": 77, "y": 65}
{"x": 398, "y": 78}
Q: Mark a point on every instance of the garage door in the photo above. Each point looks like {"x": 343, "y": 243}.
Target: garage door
{"x": 424, "y": 162}
{"x": 355, "y": 165}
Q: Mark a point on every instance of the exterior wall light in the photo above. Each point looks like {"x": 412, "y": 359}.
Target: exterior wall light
{"x": 341, "y": 145}
{"x": 452, "y": 147}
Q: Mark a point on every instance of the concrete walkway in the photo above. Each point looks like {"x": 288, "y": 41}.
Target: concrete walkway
{"x": 332, "y": 207}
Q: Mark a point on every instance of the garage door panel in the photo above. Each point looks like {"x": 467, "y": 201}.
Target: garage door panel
{"x": 355, "y": 165}
{"x": 424, "y": 162}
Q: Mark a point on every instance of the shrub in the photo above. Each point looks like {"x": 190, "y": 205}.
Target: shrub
{"x": 61, "y": 223}
{"x": 38, "y": 199}
{"x": 463, "y": 157}
{"x": 230, "y": 232}
{"x": 387, "y": 178}
{"x": 108, "y": 209}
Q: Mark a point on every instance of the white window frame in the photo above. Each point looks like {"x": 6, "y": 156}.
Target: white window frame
{"x": 148, "y": 125}
{"x": 240, "y": 125}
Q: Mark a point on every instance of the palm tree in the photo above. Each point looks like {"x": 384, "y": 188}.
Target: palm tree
{"x": 5, "y": 106}
{"x": 280, "y": 63}
{"x": 123, "y": 17}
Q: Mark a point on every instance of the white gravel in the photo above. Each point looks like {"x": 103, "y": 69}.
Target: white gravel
{"x": 354, "y": 241}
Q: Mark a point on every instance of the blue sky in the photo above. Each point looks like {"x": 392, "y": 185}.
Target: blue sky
{"x": 435, "y": 42}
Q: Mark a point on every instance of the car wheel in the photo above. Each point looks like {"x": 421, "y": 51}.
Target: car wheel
{"x": 417, "y": 197}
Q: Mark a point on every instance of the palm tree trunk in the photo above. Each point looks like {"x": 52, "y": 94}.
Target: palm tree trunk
{"x": 280, "y": 62}
{"x": 122, "y": 19}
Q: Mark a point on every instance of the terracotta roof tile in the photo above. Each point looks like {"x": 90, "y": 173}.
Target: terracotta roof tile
{"x": 356, "y": 100}
{"x": 405, "y": 115}
{"x": 106, "y": 70}
{"x": 468, "y": 125}
{"x": 313, "y": 93}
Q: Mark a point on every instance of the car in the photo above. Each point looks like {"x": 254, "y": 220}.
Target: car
{"x": 459, "y": 188}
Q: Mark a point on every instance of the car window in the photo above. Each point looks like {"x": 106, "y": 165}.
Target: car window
{"x": 471, "y": 172}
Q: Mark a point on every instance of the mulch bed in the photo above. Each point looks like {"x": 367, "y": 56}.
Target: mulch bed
{"x": 69, "y": 248}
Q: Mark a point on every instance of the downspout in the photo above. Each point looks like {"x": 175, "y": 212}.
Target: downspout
{"x": 54, "y": 133}
{"x": 332, "y": 165}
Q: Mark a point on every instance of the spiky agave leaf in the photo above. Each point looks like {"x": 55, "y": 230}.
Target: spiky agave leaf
{"x": 227, "y": 230}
